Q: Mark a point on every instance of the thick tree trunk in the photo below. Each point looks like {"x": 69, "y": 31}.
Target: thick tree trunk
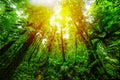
{"x": 6, "y": 47}
{"x": 91, "y": 47}
{"x": 7, "y": 73}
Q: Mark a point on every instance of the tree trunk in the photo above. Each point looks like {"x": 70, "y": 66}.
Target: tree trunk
{"x": 6, "y": 47}
{"x": 7, "y": 73}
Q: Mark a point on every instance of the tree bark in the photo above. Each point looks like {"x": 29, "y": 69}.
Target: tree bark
{"x": 7, "y": 73}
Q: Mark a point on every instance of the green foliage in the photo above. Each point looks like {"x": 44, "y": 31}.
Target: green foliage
{"x": 30, "y": 49}
{"x": 106, "y": 29}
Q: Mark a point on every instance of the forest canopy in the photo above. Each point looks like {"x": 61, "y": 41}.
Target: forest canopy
{"x": 59, "y": 40}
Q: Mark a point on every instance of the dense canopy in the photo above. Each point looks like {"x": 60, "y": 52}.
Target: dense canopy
{"x": 59, "y": 40}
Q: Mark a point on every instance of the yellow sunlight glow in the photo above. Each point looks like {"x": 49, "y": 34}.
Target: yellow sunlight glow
{"x": 61, "y": 15}
{"x": 60, "y": 19}
{"x": 66, "y": 36}
{"x": 56, "y": 19}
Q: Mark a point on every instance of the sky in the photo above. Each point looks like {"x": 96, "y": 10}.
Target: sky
{"x": 46, "y": 3}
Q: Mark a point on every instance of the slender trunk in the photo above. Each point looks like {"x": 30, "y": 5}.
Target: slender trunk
{"x": 76, "y": 46}
{"x": 62, "y": 45}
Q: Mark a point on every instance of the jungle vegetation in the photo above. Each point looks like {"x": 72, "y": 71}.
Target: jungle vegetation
{"x": 60, "y": 40}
